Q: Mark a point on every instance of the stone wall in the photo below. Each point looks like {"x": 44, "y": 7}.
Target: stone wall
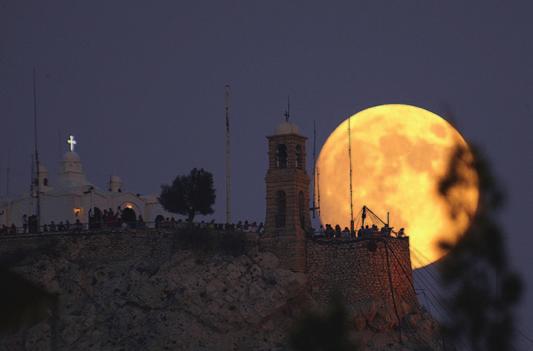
{"x": 289, "y": 250}
{"x": 377, "y": 270}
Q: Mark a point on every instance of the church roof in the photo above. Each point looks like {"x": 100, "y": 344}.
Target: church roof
{"x": 286, "y": 127}
{"x": 71, "y": 156}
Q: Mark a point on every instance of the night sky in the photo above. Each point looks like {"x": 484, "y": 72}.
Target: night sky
{"x": 142, "y": 86}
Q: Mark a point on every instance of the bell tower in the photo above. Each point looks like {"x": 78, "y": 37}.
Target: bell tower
{"x": 287, "y": 197}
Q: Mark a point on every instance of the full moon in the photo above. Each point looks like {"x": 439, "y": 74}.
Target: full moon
{"x": 399, "y": 153}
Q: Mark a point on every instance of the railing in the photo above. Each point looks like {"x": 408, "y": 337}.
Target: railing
{"x": 122, "y": 227}
{"x": 346, "y": 235}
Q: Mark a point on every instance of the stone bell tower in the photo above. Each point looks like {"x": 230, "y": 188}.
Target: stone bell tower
{"x": 287, "y": 197}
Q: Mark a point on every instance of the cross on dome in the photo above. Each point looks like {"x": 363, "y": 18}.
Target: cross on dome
{"x": 71, "y": 143}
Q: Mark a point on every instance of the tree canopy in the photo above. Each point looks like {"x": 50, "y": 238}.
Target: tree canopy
{"x": 190, "y": 194}
{"x": 483, "y": 289}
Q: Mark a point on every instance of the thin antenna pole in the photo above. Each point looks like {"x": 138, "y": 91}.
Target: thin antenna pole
{"x": 350, "y": 157}
{"x": 318, "y": 189}
{"x": 314, "y": 167}
{"x": 59, "y": 142}
{"x": 8, "y": 171}
{"x": 228, "y": 159}
{"x": 32, "y": 180}
{"x": 7, "y": 180}
{"x": 36, "y": 150}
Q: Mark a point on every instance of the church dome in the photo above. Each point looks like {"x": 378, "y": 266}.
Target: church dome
{"x": 115, "y": 178}
{"x": 71, "y": 156}
{"x": 115, "y": 184}
{"x": 287, "y": 128}
{"x": 71, "y": 175}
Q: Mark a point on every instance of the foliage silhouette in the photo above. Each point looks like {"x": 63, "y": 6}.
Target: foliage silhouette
{"x": 189, "y": 195}
{"x": 483, "y": 290}
{"x": 329, "y": 331}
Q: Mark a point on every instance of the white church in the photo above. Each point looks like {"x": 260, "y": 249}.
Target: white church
{"x": 72, "y": 196}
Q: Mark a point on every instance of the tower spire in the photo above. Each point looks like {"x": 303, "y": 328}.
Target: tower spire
{"x": 350, "y": 159}
{"x": 287, "y": 113}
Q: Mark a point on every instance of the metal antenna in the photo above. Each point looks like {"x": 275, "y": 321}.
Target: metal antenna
{"x": 318, "y": 189}
{"x": 59, "y": 143}
{"x": 36, "y": 150}
{"x": 314, "y": 208}
{"x": 314, "y": 167}
{"x": 32, "y": 172}
{"x": 350, "y": 156}
{"x": 228, "y": 159}
{"x": 8, "y": 170}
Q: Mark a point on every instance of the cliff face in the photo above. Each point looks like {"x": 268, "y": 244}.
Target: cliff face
{"x": 144, "y": 292}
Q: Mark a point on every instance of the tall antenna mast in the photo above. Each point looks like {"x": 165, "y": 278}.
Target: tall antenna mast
{"x": 314, "y": 167}
{"x": 36, "y": 151}
{"x": 228, "y": 160}
{"x": 315, "y": 176}
{"x": 32, "y": 180}
{"x": 350, "y": 156}
{"x": 7, "y": 172}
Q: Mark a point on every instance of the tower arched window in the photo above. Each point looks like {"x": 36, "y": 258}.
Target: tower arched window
{"x": 281, "y": 156}
{"x": 45, "y": 181}
{"x": 281, "y": 208}
{"x": 301, "y": 208}
{"x": 299, "y": 157}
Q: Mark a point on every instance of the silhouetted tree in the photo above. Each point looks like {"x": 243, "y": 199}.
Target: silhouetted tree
{"x": 329, "y": 331}
{"x": 189, "y": 194}
{"x": 482, "y": 288}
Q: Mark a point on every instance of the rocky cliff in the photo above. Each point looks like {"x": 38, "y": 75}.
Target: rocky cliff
{"x": 127, "y": 291}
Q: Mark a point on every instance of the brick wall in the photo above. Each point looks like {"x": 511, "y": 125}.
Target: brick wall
{"x": 359, "y": 271}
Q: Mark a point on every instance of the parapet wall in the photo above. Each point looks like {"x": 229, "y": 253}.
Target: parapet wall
{"x": 362, "y": 271}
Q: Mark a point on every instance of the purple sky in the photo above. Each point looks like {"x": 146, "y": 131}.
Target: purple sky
{"x": 141, "y": 87}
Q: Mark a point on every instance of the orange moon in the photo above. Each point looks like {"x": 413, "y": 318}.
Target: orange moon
{"x": 399, "y": 154}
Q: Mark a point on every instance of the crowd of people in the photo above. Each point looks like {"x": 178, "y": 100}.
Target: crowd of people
{"x": 12, "y": 229}
{"x": 29, "y": 226}
{"x": 126, "y": 219}
{"x": 249, "y": 227}
{"x": 123, "y": 219}
{"x": 329, "y": 232}
{"x": 109, "y": 219}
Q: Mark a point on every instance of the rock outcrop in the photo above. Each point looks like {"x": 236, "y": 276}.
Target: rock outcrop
{"x": 144, "y": 292}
